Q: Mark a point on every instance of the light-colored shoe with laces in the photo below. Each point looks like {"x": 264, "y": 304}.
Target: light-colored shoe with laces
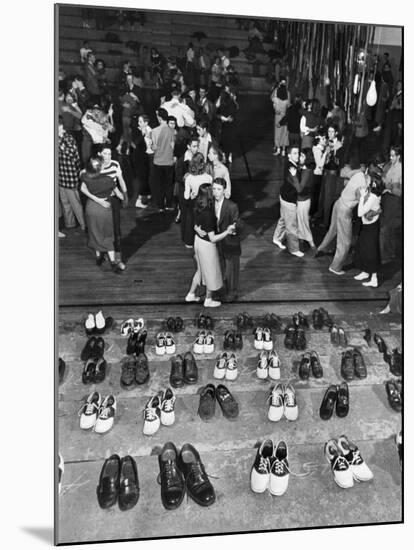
{"x": 198, "y": 346}
{"x": 169, "y": 344}
{"x": 267, "y": 339}
{"x": 276, "y": 407}
{"x": 167, "y": 407}
{"x": 291, "y": 406}
{"x": 279, "y": 472}
{"x": 89, "y": 411}
{"x": 220, "y": 367}
{"x": 359, "y": 468}
{"x": 260, "y": 473}
{"x": 274, "y": 365}
{"x": 262, "y": 369}
{"x": 340, "y": 467}
{"x": 209, "y": 343}
{"x": 231, "y": 368}
{"x": 258, "y": 338}
{"x": 152, "y": 416}
{"x": 106, "y": 416}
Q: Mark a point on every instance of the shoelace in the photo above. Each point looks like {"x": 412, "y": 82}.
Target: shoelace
{"x": 264, "y": 465}
{"x": 168, "y": 404}
{"x": 340, "y": 464}
{"x": 279, "y": 467}
{"x": 231, "y": 364}
{"x": 150, "y": 414}
{"x": 88, "y": 408}
{"x": 275, "y": 399}
{"x": 104, "y": 413}
{"x": 289, "y": 399}
{"x": 170, "y": 474}
{"x": 356, "y": 458}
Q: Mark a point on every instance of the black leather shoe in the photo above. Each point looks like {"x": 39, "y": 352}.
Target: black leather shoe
{"x": 304, "y": 367}
{"x": 303, "y": 321}
{"x": 238, "y": 340}
{"x": 100, "y": 370}
{"x": 142, "y": 371}
{"x": 199, "y": 487}
{"x": 295, "y": 320}
{"x": 61, "y": 369}
{"x": 328, "y": 403}
{"x": 347, "y": 366}
{"x": 300, "y": 339}
{"x": 240, "y": 321}
{"x": 207, "y": 405}
{"x": 317, "y": 320}
{"x": 367, "y": 336}
{"x": 342, "y": 403}
{"x": 276, "y": 322}
{"x": 88, "y": 374}
{"x": 382, "y": 346}
{"x": 190, "y": 369}
{"x": 132, "y": 342}
{"x": 394, "y": 396}
{"x": 100, "y": 259}
{"x": 140, "y": 342}
{"x": 170, "y": 324}
{"x": 290, "y": 333}
{"x": 87, "y": 351}
{"x": 201, "y": 321}
{"x": 128, "y": 484}
{"x": 317, "y": 369}
{"x": 170, "y": 477}
{"x": 326, "y": 318}
{"x": 360, "y": 368}
{"x": 177, "y": 372}
{"x": 108, "y": 488}
{"x": 394, "y": 360}
{"x": 128, "y": 370}
{"x": 179, "y": 324}
{"x": 209, "y": 323}
{"x": 228, "y": 342}
{"x": 98, "y": 349}
{"x": 228, "y": 404}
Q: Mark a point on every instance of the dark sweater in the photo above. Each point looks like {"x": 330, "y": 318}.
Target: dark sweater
{"x": 293, "y": 116}
{"x": 292, "y": 185}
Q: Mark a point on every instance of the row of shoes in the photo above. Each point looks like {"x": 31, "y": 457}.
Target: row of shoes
{"x": 132, "y": 325}
{"x": 346, "y": 462}
{"x": 392, "y": 357}
{"x": 174, "y": 324}
{"x": 94, "y": 348}
{"x": 134, "y": 371}
{"x": 310, "y": 363}
{"x": 97, "y": 323}
{"x": 226, "y": 367}
{"x": 321, "y": 318}
{"x": 165, "y": 344}
{"x": 268, "y": 365}
{"x": 394, "y": 389}
{"x": 207, "y": 405}
{"x": 338, "y": 336}
{"x": 136, "y": 342}
{"x": 98, "y": 413}
{"x": 270, "y": 470}
{"x": 204, "y": 322}
{"x": 336, "y": 399}
{"x": 295, "y": 337}
{"x": 233, "y": 340}
{"x": 160, "y": 409}
{"x": 353, "y": 365}
{"x": 204, "y": 343}
{"x": 263, "y": 339}
{"x": 118, "y": 482}
{"x": 183, "y": 370}
{"x": 180, "y": 472}
{"x": 282, "y": 402}
{"x": 94, "y": 370}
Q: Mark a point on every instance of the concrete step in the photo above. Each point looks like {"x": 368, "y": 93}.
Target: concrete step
{"x": 313, "y": 500}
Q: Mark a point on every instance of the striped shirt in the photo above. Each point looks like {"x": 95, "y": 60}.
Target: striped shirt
{"x": 112, "y": 170}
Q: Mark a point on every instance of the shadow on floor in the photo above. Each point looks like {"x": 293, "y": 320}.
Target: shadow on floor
{"x": 45, "y": 534}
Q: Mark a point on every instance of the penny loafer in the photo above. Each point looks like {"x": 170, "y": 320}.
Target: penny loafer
{"x": 228, "y": 342}
{"x": 171, "y": 324}
{"x": 394, "y": 396}
{"x": 87, "y": 351}
{"x": 207, "y": 405}
{"x": 360, "y": 368}
{"x": 177, "y": 372}
{"x": 142, "y": 371}
{"x": 326, "y": 318}
{"x": 304, "y": 367}
{"x": 328, "y": 403}
{"x": 199, "y": 487}
{"x": 98, "y": 348}
{"x": 334, "y": 335}
{"x": 343, "y": 340}
{"x": 129, "y": 368}
{"x": 228, "y": 404}
{"x": 317, "y": 320}
{"x": 88, "y": 374}
{"x": 128, "y": 484}
{"x": 179, "y": 324}
{"x": 209, "y": 322}
{"x": 100, "y": 370}
{"x": 300, "y": 339}
{"x": 238, "y": 340}
{"x": 132, "y": 342}
{"x": 140, "y": 342}
{"x": 347, "y": 366}
{"x": 108, "y": 487}
{"x": 190, "y": 369}
{"x": 170, "y": 477}
{"x": 382, "y": 346}
{"x": 342, "y": 402}
{"x": 290, "y": 333}
{"x": 316, "y": 366}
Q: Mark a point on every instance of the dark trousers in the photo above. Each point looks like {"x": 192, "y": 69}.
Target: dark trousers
{"x": 162, "y": 184}
{"x": 116, "y": 220}
{"x": 230, "y": 267}
{"x": 294, "y": 140}
{"x": 316, "y": 190}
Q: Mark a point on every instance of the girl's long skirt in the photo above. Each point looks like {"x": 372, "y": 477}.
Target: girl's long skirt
{"x": 367, "y": 250}
{"x": 207, "y": 258}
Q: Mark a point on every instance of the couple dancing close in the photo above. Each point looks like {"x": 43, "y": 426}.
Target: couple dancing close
{"x": 217, "y": 247}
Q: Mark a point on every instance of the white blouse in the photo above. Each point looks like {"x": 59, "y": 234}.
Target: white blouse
{"x": 372, "y": 203}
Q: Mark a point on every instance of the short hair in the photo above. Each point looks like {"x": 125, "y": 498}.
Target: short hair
{"x": 100, "y": 60}
{"x": 192, "y": 138}
{"x": 220, "y": 181}
{"x": 334, "y": 126}
{"x": 90, "y": 165}
{"x": 197, "y": 165}
{"x": 397, "y": 150}
{"x": 79, "y": 77}
{"x": 101, "y": 146}
{"x": 290, "y": 148}
{"x": 175, "y": 91}
{"x": 172, "y": 118}
{"x": 203, "y": 123}
{"x": 89, "y": 55}
{"x": 144, "y": 117}
{"x": 162, "y": 114}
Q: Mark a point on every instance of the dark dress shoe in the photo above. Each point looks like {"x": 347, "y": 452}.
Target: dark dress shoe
{"x": 295, "y": 320}
{"x": 199, "y": 487}
{"x": 394, "y": 396}
{"x": 228, "y": 342}
{"x": 207, "y": 405}
{"x": 248, "y": 321}
{"x": 394, "y": 360}
{"x": 88, "y": 374}
{"x": 342, "y": 403}
{"x": 201, "y": 321}
{"x": 328, "y": 403}
{"x": 132, "y": 342}
{"x": 209, "y": 322}
{"x": 347, "y": 366}
{"x": 179, "y": 324}
{"x": 360, "y": 368}
{"x": 170, "y": 477}
{"x": 300, "y": 339}
{"x": 87, "y": 351}
{"x": 129, "y": 368}
{"x": 382, "y": 346}
{"x": 228, "y": 404}
{"x": 100, "y": 259}
{"x": 170, "y": 324}
{"x": 317, "y": 369}
{"x": 99, "y": 348}
{"x": 276, "y": 322}
{"x": 267, "y": 320}
{"x": 367, "y": 336}
{"x": 100, "y": 370}
{"x": 238, "y": 340}
{"x": 334, "y": 335}
{"x": 140, "y": 342}
{"x": 304, "y": 367}
{"x": 190, "y": 369}
{"x": 290, "y": 333}
{"x": 142, "y": 371}
{"x": 108, "y": 488}
{"x": 61, "y": 369}
{"x": 326, "y": 318}
{"x": 303, "y": 321}
{"x": 128, "y": 484}
{"x": 317, "y": 319}
{"x": 240, "y": 321}
{"x": 343, "y": 340}
{"x": 177, "y": 372}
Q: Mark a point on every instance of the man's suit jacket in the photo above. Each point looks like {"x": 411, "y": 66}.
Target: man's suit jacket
{"x": 230, "y": 245}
